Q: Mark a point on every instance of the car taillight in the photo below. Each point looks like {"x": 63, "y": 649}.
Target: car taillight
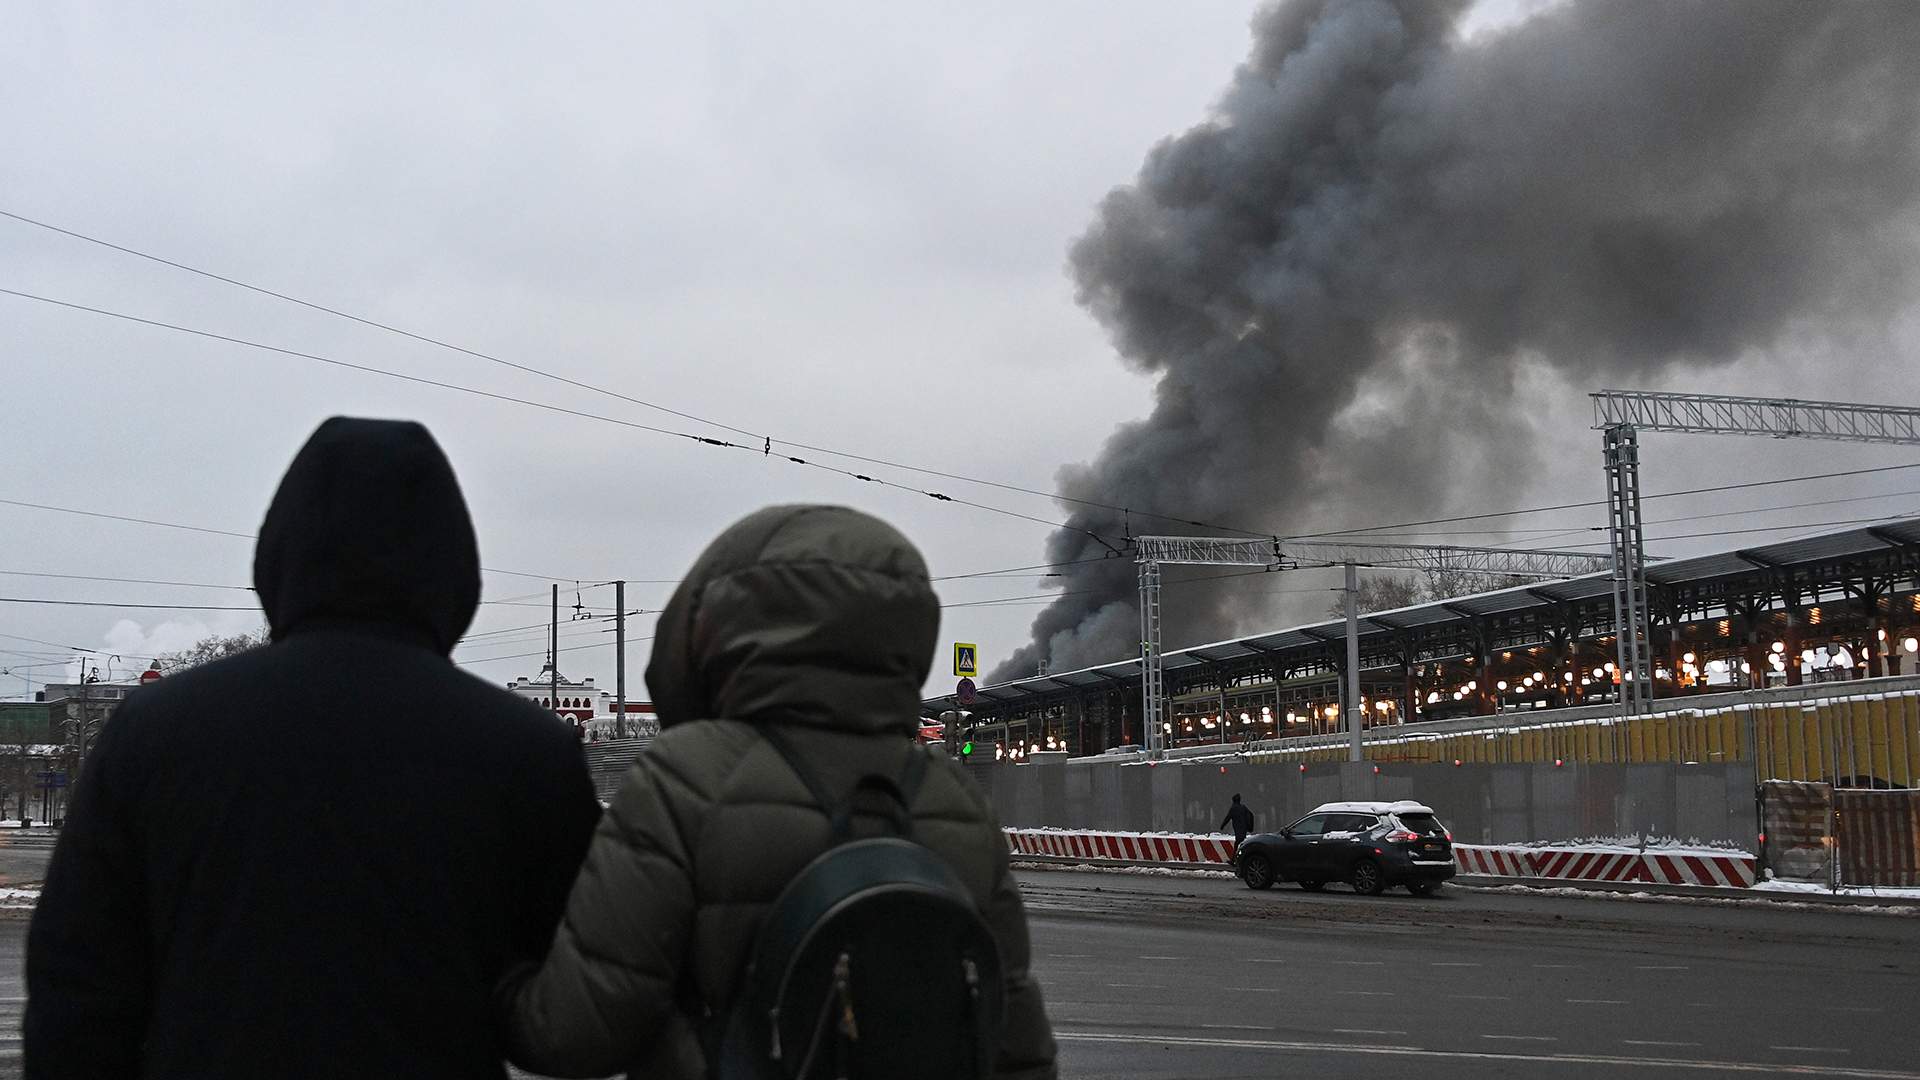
{"x": 1402, "y": 836}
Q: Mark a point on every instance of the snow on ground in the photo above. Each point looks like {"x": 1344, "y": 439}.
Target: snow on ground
{"x": 1136, "y": 871}
{"x": 1633, "y": 845}
{"x": 1898, "y": 910}
{"x": 19, "y": 898}
{"x": 1816, "y": 888}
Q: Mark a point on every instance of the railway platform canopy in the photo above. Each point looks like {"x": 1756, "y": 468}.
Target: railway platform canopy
{"x": 1837, "y": 606}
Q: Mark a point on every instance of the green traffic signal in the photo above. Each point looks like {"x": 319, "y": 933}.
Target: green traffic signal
{"x": 966, "y": 748}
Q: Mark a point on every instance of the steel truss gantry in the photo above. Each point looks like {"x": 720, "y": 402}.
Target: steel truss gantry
{"x": 1152, "y": 552}
{"x": 1620, "y": 414}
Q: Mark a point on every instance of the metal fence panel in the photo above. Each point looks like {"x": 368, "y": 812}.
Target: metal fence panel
{"x": 1878, "y": 834}
{"x": 1795, "y": 816}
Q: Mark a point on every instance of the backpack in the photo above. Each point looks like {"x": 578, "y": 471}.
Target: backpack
{"x": 873, "y": 963}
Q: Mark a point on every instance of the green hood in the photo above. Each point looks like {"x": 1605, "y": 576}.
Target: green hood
{"x": 814, "y": 615}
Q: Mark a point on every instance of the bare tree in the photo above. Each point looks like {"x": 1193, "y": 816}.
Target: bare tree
{"x": 1383, "y": 593}
{"x": 1389, "y": 591}
{"x": 1447, "y": 584}
{"x": 209, "y": 649}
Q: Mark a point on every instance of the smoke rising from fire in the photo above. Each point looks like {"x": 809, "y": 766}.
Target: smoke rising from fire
{"x": 1339, "y": 276}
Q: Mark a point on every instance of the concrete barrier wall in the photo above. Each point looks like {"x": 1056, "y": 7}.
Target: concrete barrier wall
{"x": 1481, "y": 804}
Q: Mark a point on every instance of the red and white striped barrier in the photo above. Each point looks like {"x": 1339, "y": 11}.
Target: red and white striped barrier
{"x": 1492, "y": 861}
{"x": 1725, "y": 870}
{"x": 1169, "y": 848}
{"x": 1577, "y": 864}
{"x": 1735, "y": 871}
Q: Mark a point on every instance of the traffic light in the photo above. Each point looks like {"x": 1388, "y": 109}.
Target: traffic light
{"x": 966, "y": 748}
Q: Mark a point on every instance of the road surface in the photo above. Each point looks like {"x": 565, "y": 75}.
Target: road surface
{"x": 1185, "y": 977}
{"x": 1181, "y": 977}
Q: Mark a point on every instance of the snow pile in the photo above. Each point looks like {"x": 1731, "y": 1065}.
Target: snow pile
{"x": 19, "y": 899}
{"x": 1137, "y": 871}
{"x": 1898, "y": 910}
{"x": 1665, "y": 845}
{"x": 1890, "y": 892}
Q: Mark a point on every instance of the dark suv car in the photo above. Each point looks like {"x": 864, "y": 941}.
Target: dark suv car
{"x": 1370, "y": 845}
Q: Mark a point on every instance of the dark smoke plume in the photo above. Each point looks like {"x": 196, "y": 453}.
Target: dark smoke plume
{"x": 1339, "y": 277}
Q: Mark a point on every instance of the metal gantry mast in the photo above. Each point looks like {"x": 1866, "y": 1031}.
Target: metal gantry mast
{"x": 1152, "y": 552}
{"x": 1620, "y": 414}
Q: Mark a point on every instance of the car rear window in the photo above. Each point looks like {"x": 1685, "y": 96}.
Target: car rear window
{"x": 1424, "y": 824}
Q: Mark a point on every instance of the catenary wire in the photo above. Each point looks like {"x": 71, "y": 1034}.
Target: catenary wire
{"x": 767, "y": 440}
{"x": 369, "y": 369}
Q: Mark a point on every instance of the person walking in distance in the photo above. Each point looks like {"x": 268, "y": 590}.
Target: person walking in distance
{"x": 316, "y": 858}
{"x": 787, "y": 670}
{"x": 1241, "y": 820}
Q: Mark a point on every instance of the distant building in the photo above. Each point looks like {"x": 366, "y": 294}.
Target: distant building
{"x": 576, "y": 702}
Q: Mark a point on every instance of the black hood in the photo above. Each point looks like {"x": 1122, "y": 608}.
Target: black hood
{"x": 369, "y": 527}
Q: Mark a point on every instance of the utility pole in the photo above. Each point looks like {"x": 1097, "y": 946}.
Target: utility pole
{"x": 619, "y": 659}
{"x": 553, "y": 653}
{"x": 1353, "y": 662}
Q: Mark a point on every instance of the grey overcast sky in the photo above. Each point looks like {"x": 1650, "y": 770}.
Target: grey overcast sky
{"x": 845, "y": 226}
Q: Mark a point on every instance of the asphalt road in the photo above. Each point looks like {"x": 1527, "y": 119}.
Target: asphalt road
{"x": 1184, "y": 977}
{"x": 1180, "y": 977}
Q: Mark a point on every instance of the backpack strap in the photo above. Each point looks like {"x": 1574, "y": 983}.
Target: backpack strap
{"x": 883, "y": 795}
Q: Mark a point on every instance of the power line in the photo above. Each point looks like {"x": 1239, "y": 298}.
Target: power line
{"x": 223, "y": 532}
{"x": 122, "y": 580}
{"x": 57, "y": 645}
{"x": 1602, "y": 502}
{"x": 765, "y": 450}
{"x": 767, "y": 440}
{"x": 104, "y": 604}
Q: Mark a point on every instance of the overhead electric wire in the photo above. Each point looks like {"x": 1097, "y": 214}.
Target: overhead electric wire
{"x": 764, "y": 451}
{"x": 223, "y": 532}
{"x": 105, "y": 604}
{"x": 1741, "y": 486}
{"x": 767, "y": 440}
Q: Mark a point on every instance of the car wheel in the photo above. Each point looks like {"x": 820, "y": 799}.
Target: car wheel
{"x": 1366, "y": 878}
{"x": 1313, "y": 886}
{"x": 1423, "y": 888}
{"x": 1256, "y": 871}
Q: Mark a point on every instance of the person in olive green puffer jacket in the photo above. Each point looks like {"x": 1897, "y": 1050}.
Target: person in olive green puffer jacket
{"x": 820, "y": 620}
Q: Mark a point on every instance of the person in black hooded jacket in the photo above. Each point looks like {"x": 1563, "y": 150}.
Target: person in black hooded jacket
{"x": 315, "y": 858}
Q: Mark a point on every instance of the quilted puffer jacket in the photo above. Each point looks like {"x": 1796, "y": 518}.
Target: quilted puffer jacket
{"x": 819, "y": 620}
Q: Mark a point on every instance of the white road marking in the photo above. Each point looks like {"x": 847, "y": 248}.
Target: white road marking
{"x": 1480, "y": 997}
{"x": 1366, "y": 1031}
{"x": 1163, "y": 958}
{"x": 1451, "y": 964}
{"x": 1707, "y": 1005}
{"x": 1660, "y": 967}
{"x": 1594, "y": 1001}
{"x": 1375, "y": 1050}
{"x": 1235, "y": 1027}
{"x": 1262, "y": 960}
{"x": 1256, "y": 989}
{"x": 1556, "y": 967}
{"x": 1525, "y": 1038}
{"x": 1361, "y": 963}
{"x": 1814, "y": 1049}
{"x": 1070, "y": 956}
{"x": 1137, "y": 986}
{"x": 1656, "y": 1042}
{"x": 1365, "y": 993}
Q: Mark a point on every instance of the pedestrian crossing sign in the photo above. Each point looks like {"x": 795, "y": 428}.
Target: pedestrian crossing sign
{"x": 966, "y": 659}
